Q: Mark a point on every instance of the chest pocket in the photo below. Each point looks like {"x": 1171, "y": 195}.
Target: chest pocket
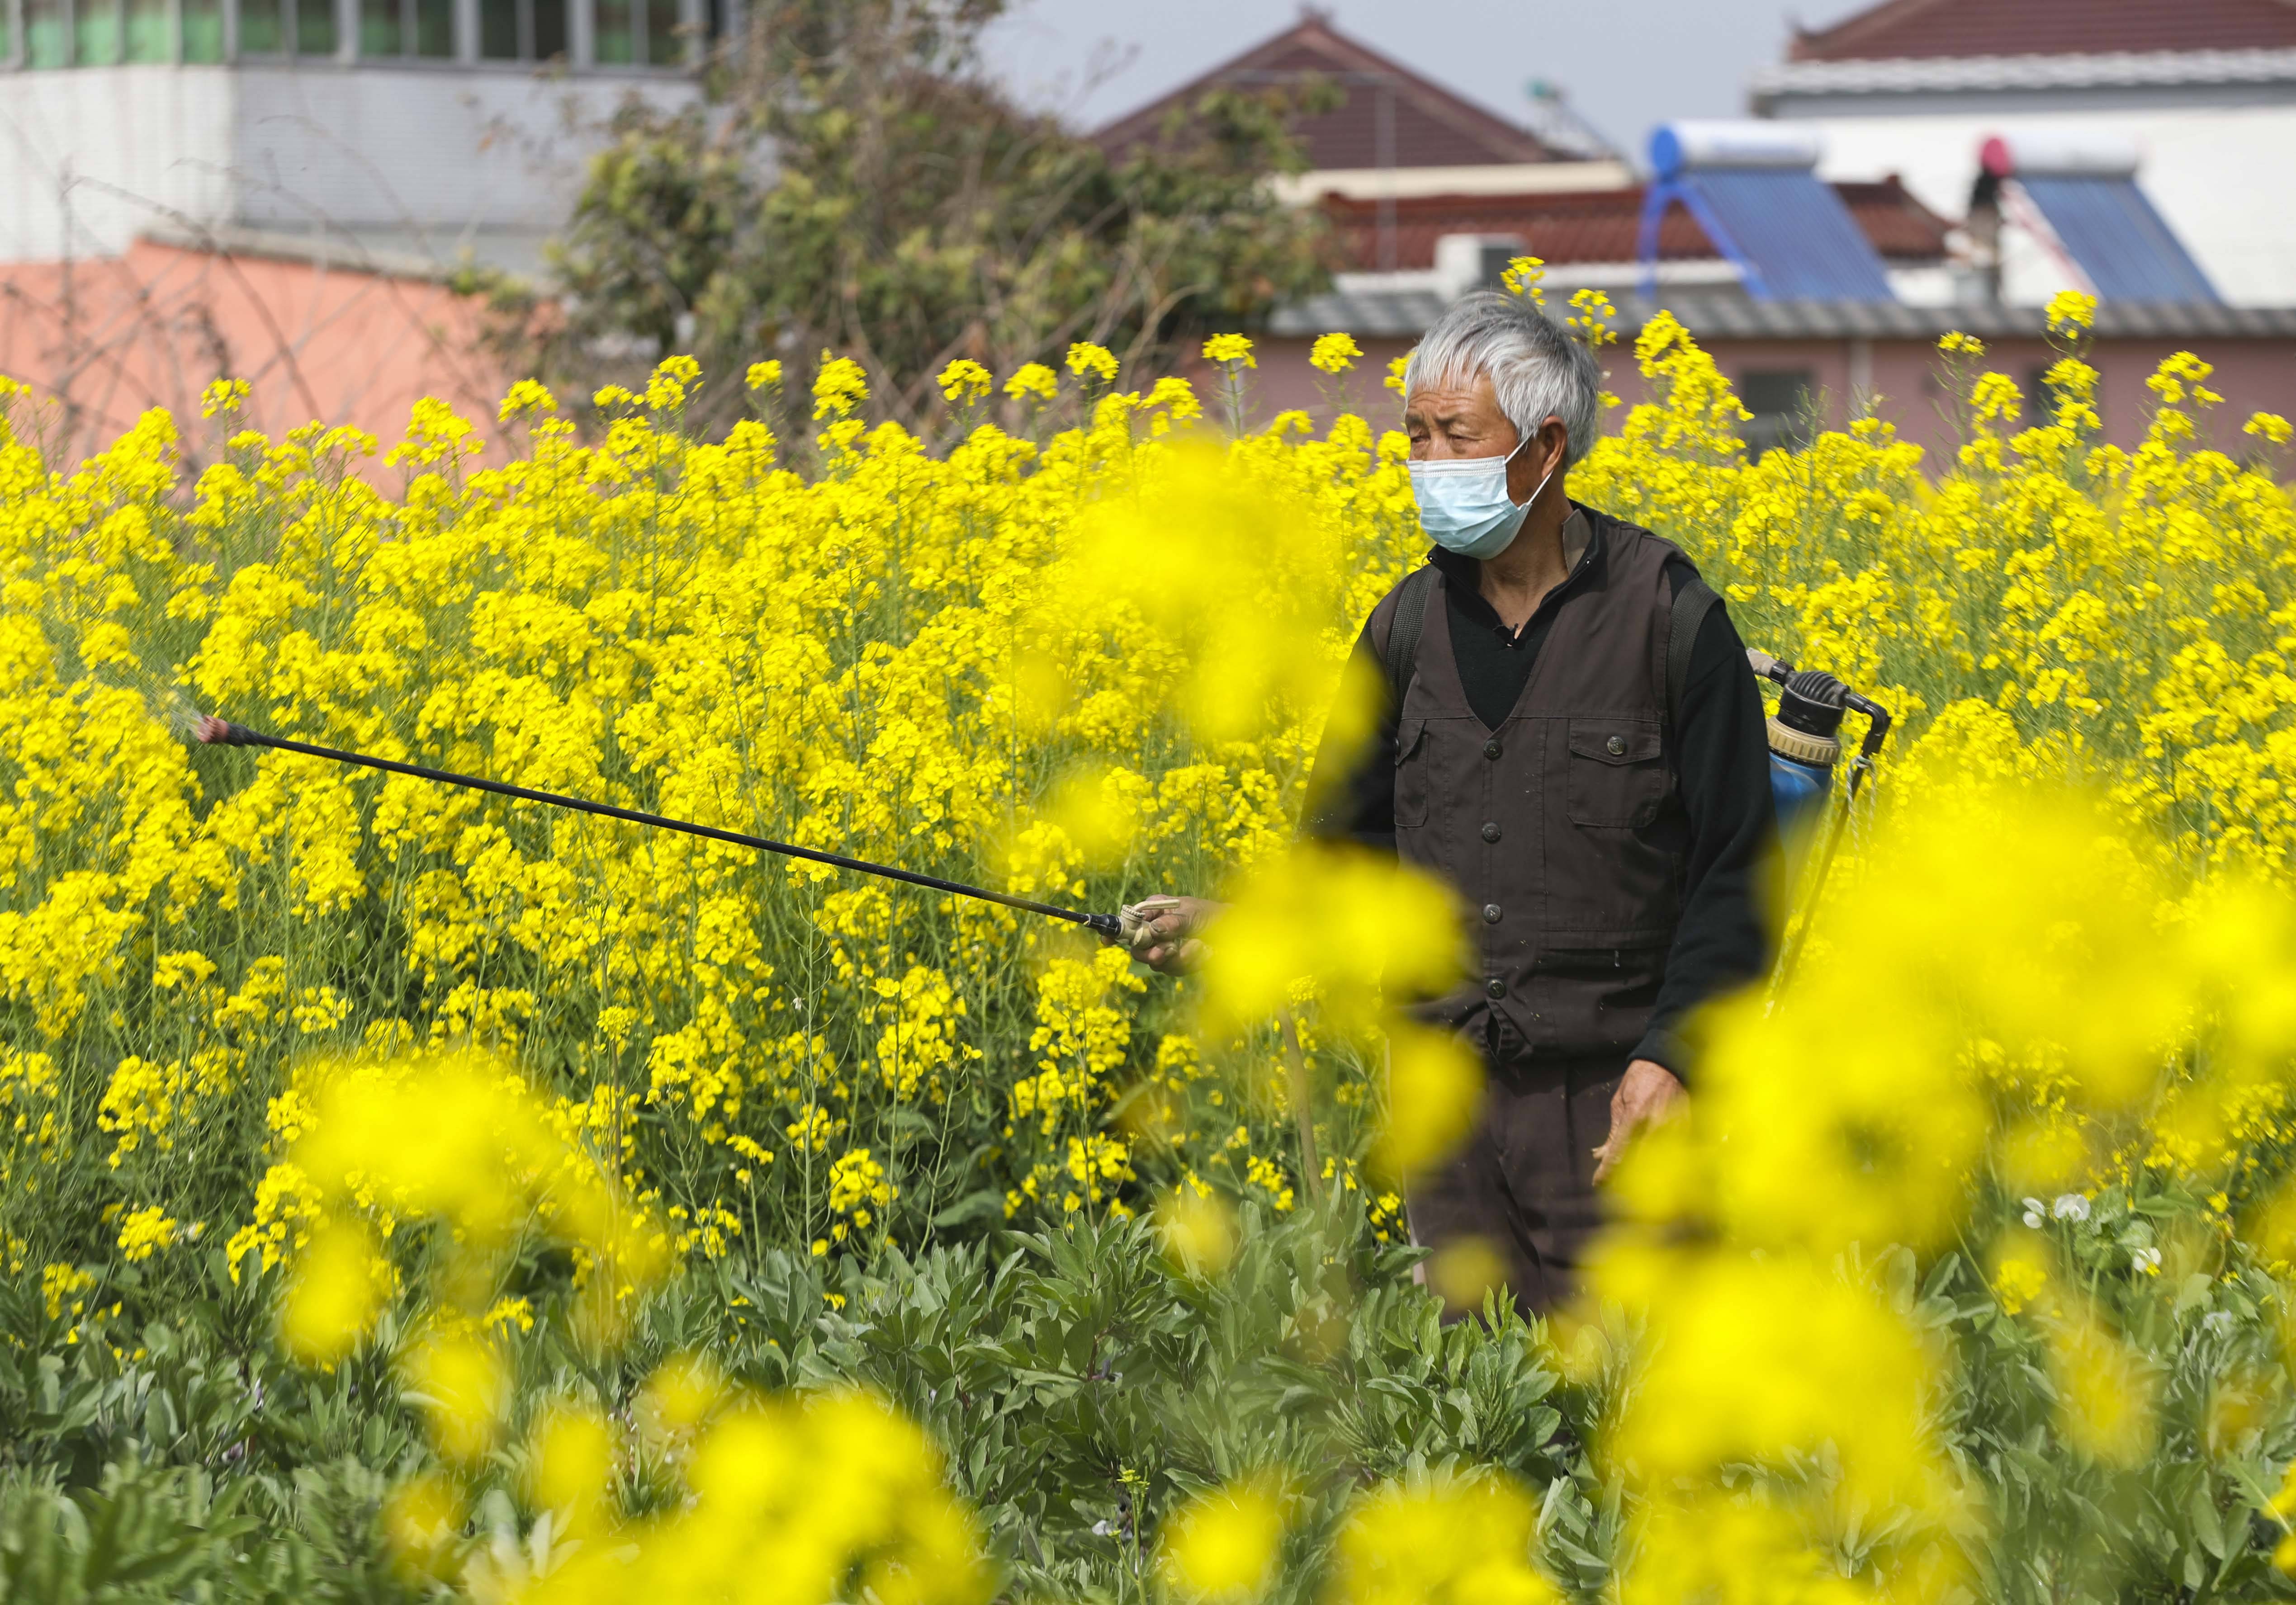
{"x": 1412, "y": 785}
{"x": 1618, "y": 777}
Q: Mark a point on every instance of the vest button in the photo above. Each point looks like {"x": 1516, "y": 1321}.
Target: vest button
{"x": 1616, "y": 745}
{"x": 1490, "y": 913}
{"x": 1490, "y": 833}
{"x": 1495, "y": 988}
{"x": 1490, "y": 749}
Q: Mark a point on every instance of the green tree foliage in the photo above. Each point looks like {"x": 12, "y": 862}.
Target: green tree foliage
{"x": 853, "y": 181}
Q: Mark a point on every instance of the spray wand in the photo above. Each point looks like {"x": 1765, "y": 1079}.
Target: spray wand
{"x": 221, "y": 733}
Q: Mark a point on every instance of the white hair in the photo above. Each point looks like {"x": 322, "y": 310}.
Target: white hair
{"x": 1536, "y": 370}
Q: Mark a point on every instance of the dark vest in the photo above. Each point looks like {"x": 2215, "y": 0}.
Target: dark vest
{"x": 1562, "y": 830}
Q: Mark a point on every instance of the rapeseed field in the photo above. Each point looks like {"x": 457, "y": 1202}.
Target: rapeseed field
{"x": 412, "y": 1192}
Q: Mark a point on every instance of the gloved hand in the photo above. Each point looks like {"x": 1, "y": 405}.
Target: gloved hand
{"x": 1163, "y": 932}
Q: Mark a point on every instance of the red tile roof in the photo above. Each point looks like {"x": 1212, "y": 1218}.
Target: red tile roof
{"x": 1902, "y": 29}
{"x": 1431, "y": 128}
{"x": 1603, "y": 225}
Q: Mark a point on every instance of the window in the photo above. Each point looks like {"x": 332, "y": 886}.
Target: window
{"x": 202, "y": 31}
{"x": 45, "y": 44}
{"x": 549, "y": 22}
{"x": 261, "y": 28}
{"x": 609, "y": 43}
{"x": 1780, "y": 402}
{"x": 664, "y": 45}
{"x": 498, "y": 30}
{"x": 434, "y": 28}
{"x": 522, "y": 30}
{"x": 315, "y": 28}
{"x": 96, "y": 33}
{"x": 379, "y": 28}
{"x": 149, "y": 36}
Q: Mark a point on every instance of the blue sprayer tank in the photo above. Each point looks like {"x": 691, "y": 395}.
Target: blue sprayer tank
{"x": 1805, "y": 745}
{"x": 1799, "y": 790}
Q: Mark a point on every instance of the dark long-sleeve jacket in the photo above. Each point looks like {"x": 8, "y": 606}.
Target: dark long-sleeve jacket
{"x": 1721, "y": 941}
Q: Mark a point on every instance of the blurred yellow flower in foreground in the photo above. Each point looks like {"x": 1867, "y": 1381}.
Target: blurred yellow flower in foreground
{"x": 1443, "y": 1541}
{"x": 1223, "y": 1545}
{"x": 1198, "y": 1230}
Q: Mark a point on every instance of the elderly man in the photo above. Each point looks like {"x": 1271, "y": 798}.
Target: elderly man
{"x": 1573, "y": 741}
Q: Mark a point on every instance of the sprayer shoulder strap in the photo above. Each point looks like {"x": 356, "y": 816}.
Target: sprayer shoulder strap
{"x": 1693, "y": 599}
{"x": 1403, "y": 632}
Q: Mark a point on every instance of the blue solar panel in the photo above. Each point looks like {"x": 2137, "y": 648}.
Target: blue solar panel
{"x": 1788, "y": 232}
{"x": 2120, "y": 242}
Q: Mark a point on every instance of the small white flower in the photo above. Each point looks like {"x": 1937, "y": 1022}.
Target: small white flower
{"x": 2034, "y": 1210}
{"x": 2071, "y": 1206}
{"x": 2217, "y": 1321}
{"x": 2145, "y": 1259}
{"x": 1103, "y": 1529}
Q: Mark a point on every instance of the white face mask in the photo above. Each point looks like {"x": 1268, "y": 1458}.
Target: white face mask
{"x": 1464, "y": 505}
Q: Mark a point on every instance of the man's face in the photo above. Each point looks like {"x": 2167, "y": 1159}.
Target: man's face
{"x": 1458, "y": 419}
{"x": 1463, "y": 420}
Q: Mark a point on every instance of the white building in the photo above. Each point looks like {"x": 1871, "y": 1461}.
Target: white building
{"x": 2203, "y": 91}
{"x": 405, "y": 131}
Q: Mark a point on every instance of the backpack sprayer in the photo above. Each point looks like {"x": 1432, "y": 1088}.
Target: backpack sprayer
{"x": 1805, "y": 746}
{"x": 221, "y": 733}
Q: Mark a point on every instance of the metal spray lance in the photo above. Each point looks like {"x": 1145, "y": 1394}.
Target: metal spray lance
{"x": 221, "y": 733}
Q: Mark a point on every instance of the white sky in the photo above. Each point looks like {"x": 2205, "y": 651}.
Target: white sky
{"x": 1627, "y": 65}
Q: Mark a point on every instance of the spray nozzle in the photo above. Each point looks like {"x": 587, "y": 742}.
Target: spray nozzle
{"x": 214, "y": 732}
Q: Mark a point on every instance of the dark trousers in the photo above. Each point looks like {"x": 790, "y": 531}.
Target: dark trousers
{"x": 1523, "y": 1183}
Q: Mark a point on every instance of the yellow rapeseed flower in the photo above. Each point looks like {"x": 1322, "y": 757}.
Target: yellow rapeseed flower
{"x": 839, "y": 387}
{"x": 1524, "y": 275}
{"x": 143, "y": 1232}
{"x": 1032, "y": 379}
{"x": 1334, "y": 353}
{"x": 963, "y": 381}
{"x": 1089, "y": 361}
{"x": 1232, "y": 348}
{"x": 2071, "y": 311}
{"x": 223, "y": 396}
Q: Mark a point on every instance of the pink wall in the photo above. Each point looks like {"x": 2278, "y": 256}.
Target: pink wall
{"x": 109, "y": 337}
{"x": 2251, "y": 375}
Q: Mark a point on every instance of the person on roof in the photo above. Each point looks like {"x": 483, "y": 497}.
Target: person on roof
{"x": 1595, "y": 791}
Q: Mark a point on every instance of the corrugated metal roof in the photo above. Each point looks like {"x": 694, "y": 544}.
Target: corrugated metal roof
{"x": 2125, "y": 69}
{"x": 1431, "y": 127}
{"x": 1599, "y": 225}
{"x": 1908, "y": 29}
{"x": 1724, "y": 316}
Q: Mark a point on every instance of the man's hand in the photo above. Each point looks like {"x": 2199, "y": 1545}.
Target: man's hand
{"x": 1168, "y": 940}
{"x": 1647, "y": 1094}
